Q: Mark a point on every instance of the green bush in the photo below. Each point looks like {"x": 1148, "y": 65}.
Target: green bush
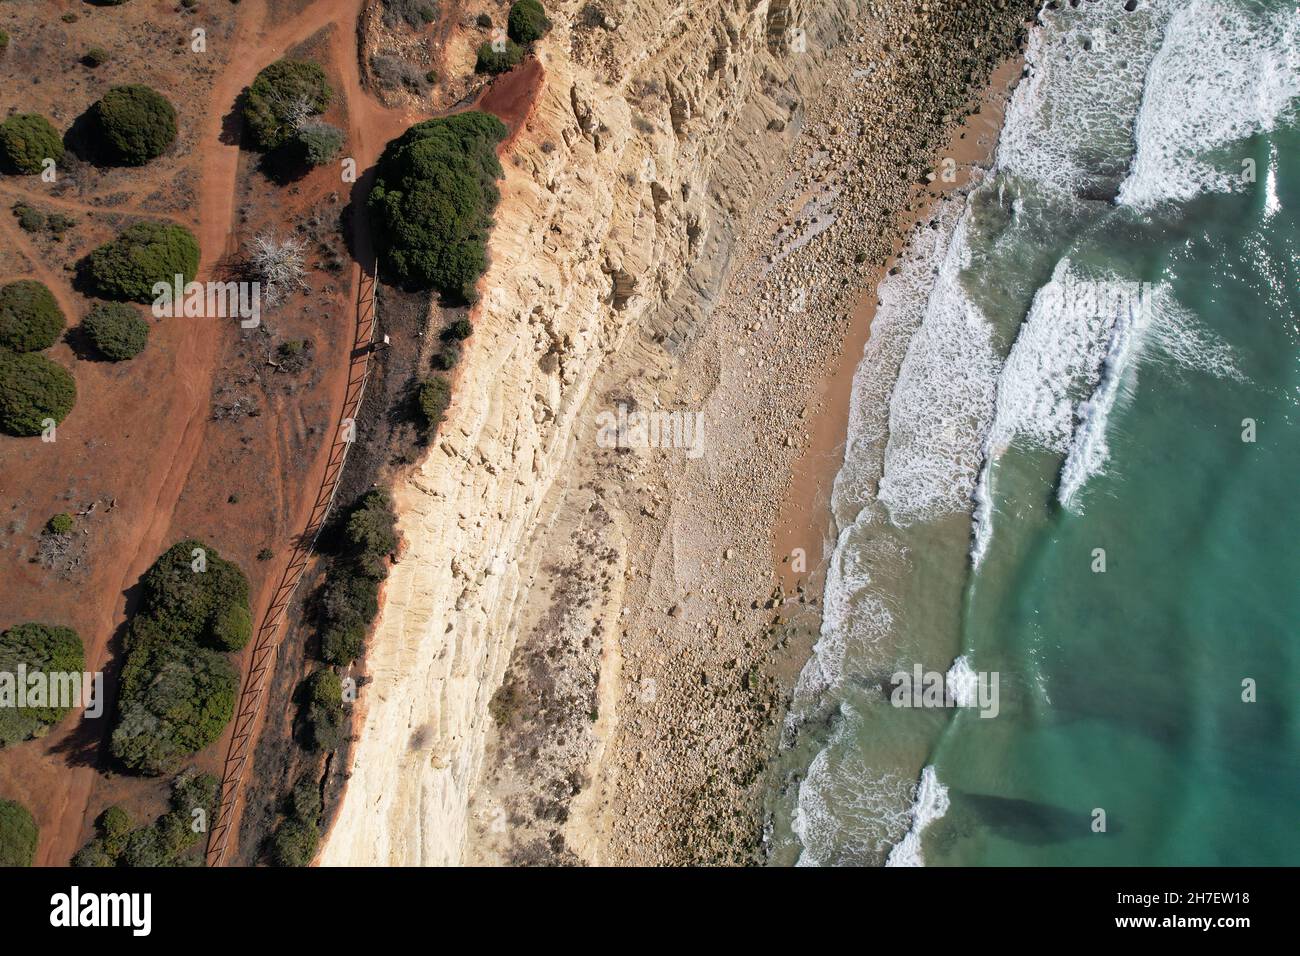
{"x": 116, "y": 330}
{"x": 27, "y": 140}
{"x": 527, "y": 21}
{"x": 175, "y": 700}
{"x": 136, "y": 124}
{"x": 433, "y": 199}
{"x": 40, "y": 648}
{"x": 458, "y": 331}
{"x": 18, "y": 835}
{"x": 143, "y": 254}
{"x": 190, "y": 604}
{"x": 114, "y": 826}
{"x": 95, "y": 56}
{"x": 433, "y": 398}
{"x": 33, "y": 389}
{"x": 30, "y": 219}
{"x": 349, "y": 599}
{"x": 93, "y": 854}
{"x": 369, "y": 530}
{"x": 294, "y": 843}
{"x": 414, "y": 13}
{"x": 320, "y": 143}
{"x": 305, "y": 802}
{"x": 30, "y": 318}
{"x": 4, "y": 41}
{"x": 59, "y": 524}
{"x": 269, "y": 106}
{"x": 498, "y": 61}
{"x": 446, "y": 358}
{"x": 176, "y": 692}
{"x": 324, "y": 719}
{"x": 162, "y": 842}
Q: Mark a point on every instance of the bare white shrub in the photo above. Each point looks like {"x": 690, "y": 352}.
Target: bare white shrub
{"x": 280, "y": 265}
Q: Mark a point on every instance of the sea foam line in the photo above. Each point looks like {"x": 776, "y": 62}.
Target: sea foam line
{"x": 930, "y": 805}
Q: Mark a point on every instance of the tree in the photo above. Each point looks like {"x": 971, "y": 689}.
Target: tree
{"x": 294, "y": 843}
{"x": 27, "y": 140}
{"x": 433, "y": 198}
{"x": 177, "y": 693}
{"x": 136, "y": 124}
{"x": 143, "y": 254}
{"x": 175, "y": 700}
{"x": 527, "y": 21}
{"x": 33, "y": 390}
{"x": 18, "y": 835}
{"x": 30, "y": 318}
{"x": 116, "y": 330}
{"x": 281, "y": 99}
{"x": 39, "y": 648}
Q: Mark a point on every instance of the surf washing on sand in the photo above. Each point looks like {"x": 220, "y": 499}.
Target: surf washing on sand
{"x": 1071, "y": 463}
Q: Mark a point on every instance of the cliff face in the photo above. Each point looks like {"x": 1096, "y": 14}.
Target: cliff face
{"x": 658, "y": 125}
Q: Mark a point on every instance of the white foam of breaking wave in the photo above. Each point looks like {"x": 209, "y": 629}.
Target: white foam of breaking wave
{"x": 1225, "y": 71}
{"x": 931, "y": 804}
{"x": 1182, "y": 339}
{"x": 1089, "y": 451}
{"x": 902, "y": 297}
{"x": 846, "y": 811}
{"x": 943, "y": 400}
{"x": 961, "y": 683}
{"x": 1272, "y": 204}
{"x": 1054, "y": 363}
{"x": 1070, "y": 121}
{"x": 855, "y": 614}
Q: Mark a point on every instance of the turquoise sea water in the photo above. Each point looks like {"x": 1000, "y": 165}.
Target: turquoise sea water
{"x": 1073, "y": 464}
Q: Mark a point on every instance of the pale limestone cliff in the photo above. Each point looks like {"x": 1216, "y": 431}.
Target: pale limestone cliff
{"x": 611, "y": 220}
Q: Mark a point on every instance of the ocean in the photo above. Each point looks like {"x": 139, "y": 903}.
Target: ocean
{"x": 1067, "y": 506}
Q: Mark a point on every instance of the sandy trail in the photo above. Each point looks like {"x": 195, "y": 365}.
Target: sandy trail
{"x": 186, "y": 400}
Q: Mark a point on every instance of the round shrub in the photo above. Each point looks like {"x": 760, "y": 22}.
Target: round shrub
{"x": 39, "y": 648}
{"x": 136, "y": 123}
{"x": 433, "y": 198}
{"x": 148, "y": 252}
{"x": 116, "y": 331}
{"x": 95, "y": 56}
{"x": 498, "y": 61}
{"x": 176, "y": 694}
{"x": 175, "y": 699}
{"x": 320, "y": 143}
{"x": 30, "y": 318}
{"x": 59, "y": 524}
{"x": 281, "y": 98}
{"x": 458, "y": 331}
{"x": 527, "y": 21}
{"x": 27, "y": 140}
{"x": 32, "y": 389}
{"x": 294, "y": 843}
{"x": 18, "y": 835}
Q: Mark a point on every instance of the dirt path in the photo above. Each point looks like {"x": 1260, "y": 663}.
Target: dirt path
{"x": 370, "y": 126}
{"x": 183, "y": 399}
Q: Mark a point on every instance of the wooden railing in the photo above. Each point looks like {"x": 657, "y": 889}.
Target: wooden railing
{"x": 268, "y": 632}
